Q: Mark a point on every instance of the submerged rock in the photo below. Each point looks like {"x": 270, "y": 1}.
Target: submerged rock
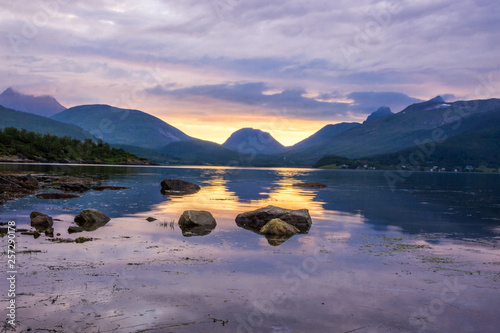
{"x": 56, "y": 196}
{"x": 150, "y": 219}
{"x": 91, "y": 219}
{"x": 73, "y": 230}
{"x": 196, "y": 223}
{"x": 177, "y": 186}
{"x": 279, "y": 227}
{"x": 311, "y": 185}
{"x": 49, "y": 232}
{"x": 112, "y": 188}
{"x": 256, "y": 219}
{"x": 276, "y": 240}
{"x": 31, "y": 182}
{"x": 40, "y": 221}
{"x": 74, "y": 187}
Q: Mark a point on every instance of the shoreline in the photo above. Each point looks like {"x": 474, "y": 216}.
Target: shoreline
{"x": 68, "y": 162}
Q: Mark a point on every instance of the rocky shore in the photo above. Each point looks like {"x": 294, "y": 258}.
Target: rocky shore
{"x": 14, "y": 186}
{"x": 16, "y": 159}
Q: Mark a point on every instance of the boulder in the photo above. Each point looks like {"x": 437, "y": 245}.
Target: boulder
{"x": 91, "y": 219}
{"x": 56, "y": 196}
{"x": 256, "y": 219}
{"x": 177, "y": 186}
{"x": 150, "y": 219}
{"x": 40, "y": 221}
{"x": 197, "y": 218}
{"x": 279, "y": 227}
{"x": 196, "y": 223}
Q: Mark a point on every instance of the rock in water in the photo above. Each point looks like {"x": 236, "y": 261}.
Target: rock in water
{"x": 197, "y": 218}
{"x": 72, "y": 229}
{"x": 74, "y": 187}
{"x": 40, "y": 221}
{"x": 177, "y": 186}
{"x": 31, "y": 182}
{"x": 150, "y": 219}
{"x": 56, "y": 196}
{"x": 112, "y": 188}
{"x": 279, "y": 227}
{"x": 196, "y": 223}
{"x": 91, "y": 219}
{"x": 310, "y": 185}
{"x": 256, "y": 219}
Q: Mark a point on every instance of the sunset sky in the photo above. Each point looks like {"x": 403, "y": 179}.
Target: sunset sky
{"x": 284, "y": 66}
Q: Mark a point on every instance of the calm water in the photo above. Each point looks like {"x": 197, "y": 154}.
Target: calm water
{"x": 377, "y": 259}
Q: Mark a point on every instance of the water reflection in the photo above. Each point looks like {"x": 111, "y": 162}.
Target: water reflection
{"x": 325, "y": 281}
{"x": 456, "y": 204}
{"x": 195, "y": 230}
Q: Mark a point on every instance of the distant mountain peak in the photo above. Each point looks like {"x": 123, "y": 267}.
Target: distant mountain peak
{"x": 381, "y": 112}
{"x": 9, "y": 91}
{"x": 253, "y": 141}
{"x": 41, "y": 105}
{"x": 438, "y": 99}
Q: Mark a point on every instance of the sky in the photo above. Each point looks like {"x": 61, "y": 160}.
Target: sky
{"x": 287, "y": 67}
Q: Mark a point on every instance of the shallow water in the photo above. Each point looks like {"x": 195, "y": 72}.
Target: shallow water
{"x": 420, "y": 257}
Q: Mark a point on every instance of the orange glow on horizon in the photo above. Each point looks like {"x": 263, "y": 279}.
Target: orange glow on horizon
{"x": 287, "y": 131}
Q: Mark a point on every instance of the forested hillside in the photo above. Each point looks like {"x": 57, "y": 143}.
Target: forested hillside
{"x": 51, "y": 148}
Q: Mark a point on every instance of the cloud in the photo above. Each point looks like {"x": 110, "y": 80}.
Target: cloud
{"x": 95, "y": 51}
{"x": 370, "y": 101}
{"x": 256, "y": 94}
{"x": 295, "y": 101}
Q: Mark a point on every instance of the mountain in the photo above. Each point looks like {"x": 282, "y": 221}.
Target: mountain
{"x": 151, "y": 154}
{"x": 438, "y": 99}
{"x": 325, "y": 133}
{"x": 253, "y": 141}
{"x": 393, "y": 133}
{"x": 41, "y": 105}
{"x": 381, "y": 112}
{"x": 200, "y": 152}
{"x": 39, "y": 124}
{"x": 122, "y": 126}
{"x": 477, "y": 145}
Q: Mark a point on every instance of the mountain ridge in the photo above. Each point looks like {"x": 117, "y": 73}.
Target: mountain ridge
{"x": 40, "y": 105}
{"x": 394, "y": 133}
{"x": 40, "y": 124}
{"x": 122, "y": 126}
{"x": 325, "y": 133}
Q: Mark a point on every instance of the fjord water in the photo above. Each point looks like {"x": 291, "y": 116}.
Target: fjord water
{"x": 420, "y": 256}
